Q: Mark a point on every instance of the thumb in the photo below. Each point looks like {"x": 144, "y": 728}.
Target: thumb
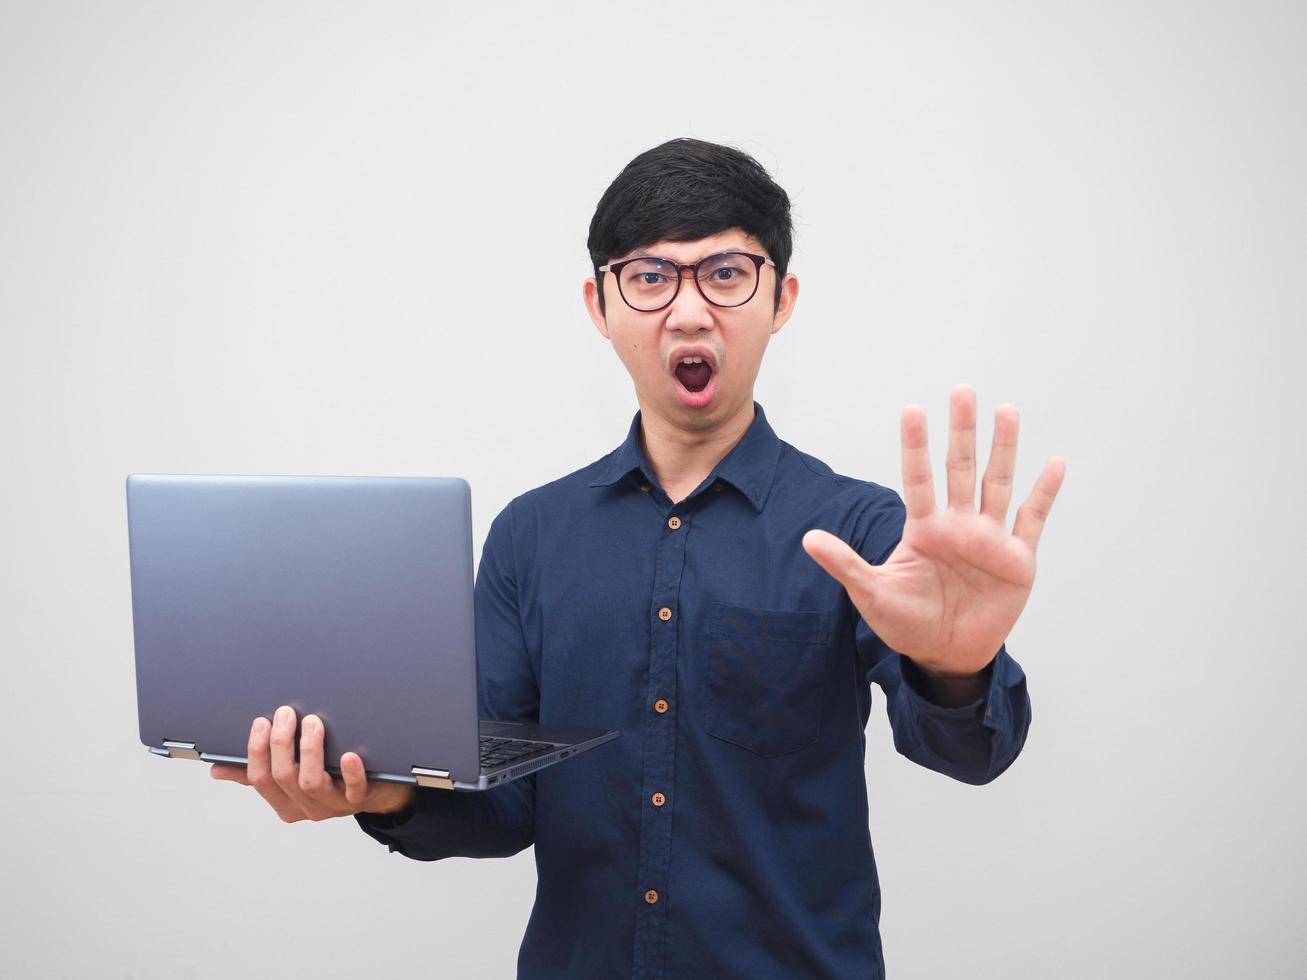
{"x": 840, "y": 561}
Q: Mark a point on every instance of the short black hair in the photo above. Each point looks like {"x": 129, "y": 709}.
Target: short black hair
{"x": 684, "y": 190}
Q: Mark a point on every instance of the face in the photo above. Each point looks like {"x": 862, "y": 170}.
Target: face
{"x": 730, "y": 340}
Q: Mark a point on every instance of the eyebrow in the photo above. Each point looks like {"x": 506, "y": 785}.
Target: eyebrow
{"x": 654, "y": 255}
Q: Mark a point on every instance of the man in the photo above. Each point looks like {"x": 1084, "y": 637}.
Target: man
{"x": 664, "y": 591}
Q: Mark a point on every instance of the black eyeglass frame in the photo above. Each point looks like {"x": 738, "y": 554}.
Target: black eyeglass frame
{"x": 758, "y": 261}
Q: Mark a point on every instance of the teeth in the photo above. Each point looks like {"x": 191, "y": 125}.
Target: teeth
{"x": 692, "y": 360}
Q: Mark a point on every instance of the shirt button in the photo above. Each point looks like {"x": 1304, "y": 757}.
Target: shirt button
{"x": 651, "y": 896}
{"x": 660, "y": 706}
{"x": 646, "y": 487}
{"x": 659, "y": 799}
{"x": 673, "y": 522}
{"x": 664, "y": 614}
{"x": 717, "y": 487}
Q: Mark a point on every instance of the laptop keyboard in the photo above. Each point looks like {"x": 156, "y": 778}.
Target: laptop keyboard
{"x": 500, "y": 751}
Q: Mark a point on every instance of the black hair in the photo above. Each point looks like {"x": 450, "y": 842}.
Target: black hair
{"x": 684, "y": 190}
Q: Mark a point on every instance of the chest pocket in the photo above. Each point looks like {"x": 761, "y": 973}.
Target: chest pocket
{"x": 766, "y": 673}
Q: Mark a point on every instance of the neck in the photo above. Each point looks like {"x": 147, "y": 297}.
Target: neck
{"x": 682, "y": 459}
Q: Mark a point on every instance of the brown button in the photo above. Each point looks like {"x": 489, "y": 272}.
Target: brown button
{"x": 660, "y": 706}
{"x": 664, "y": 614}
{"x": 645, "y": 487}
{"x": 659, "y": 799}
{"x": 717, "y": 487}
{"x": 673, "y": 522}
{"x": 651, "y": 896}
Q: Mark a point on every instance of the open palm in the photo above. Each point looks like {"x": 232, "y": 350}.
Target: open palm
{"x": 953, "y": 588}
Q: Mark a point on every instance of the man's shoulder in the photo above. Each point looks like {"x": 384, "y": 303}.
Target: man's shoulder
{"x": 794, "y": 465}
{"x": 869, "y": 515}
{"x": 568, "y": 485}
{"x": 564, "y": 491}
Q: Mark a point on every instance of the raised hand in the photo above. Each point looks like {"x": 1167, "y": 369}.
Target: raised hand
{"x": 953, "y": 588}
{"x": 305, "y": 790}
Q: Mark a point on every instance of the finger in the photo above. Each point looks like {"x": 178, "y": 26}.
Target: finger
{"x": 236, "y": 774}
{"x": 996, "y": 490}
{"x": 258, "y": 770}
{"x": 355, "y": 777}
{"x": 962, "y": 447}
{"x": 1032, "y": 515}
{"x": 841, "y": 562}
{"x": 285, "y": 771}
{"x": 918, "y": 483}
{"x": 314, "y": 781}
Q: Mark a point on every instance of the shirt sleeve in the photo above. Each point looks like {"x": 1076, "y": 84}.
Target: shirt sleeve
{"x": 973, "y": 743}
{"x": 497, "y": 822}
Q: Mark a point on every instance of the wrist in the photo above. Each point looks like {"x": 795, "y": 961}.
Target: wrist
{"x": 399, "y": 811}
{"x": 952, "y": 690}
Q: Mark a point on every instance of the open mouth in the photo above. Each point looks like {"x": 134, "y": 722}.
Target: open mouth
{"x": 696, "y": 379}
{"x": 694, "y": 373}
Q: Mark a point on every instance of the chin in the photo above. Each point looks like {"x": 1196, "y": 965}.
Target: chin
{"x": 708, "y": 417}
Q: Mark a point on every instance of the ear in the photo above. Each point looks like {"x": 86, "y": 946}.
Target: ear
{"x": 590, "y": 293}
{"x": 789, "y": 295}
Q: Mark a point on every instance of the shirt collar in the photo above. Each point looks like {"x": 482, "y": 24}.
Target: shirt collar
{"x": 749, "y": 467}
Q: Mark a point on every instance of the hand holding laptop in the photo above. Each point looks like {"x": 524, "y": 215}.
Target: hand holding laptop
{"x": 304, "y": 790}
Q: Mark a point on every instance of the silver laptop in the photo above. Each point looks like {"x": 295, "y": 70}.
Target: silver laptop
{"x": 345, "y": 597}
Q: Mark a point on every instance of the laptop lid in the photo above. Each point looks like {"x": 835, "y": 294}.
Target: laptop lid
{"x": 346, "y": 597}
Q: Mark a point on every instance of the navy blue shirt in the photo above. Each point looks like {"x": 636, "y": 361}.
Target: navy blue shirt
{"x": 725, "y": 832}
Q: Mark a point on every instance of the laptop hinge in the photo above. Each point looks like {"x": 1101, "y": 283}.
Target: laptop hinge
{"x": 180, "y": 750}
{"x": 433, "y": 778}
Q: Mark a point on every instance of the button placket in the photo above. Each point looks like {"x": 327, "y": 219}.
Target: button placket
{"x": 659, "y": 744}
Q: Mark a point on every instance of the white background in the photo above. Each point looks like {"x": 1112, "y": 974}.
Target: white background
{"x": 332, "y": 239}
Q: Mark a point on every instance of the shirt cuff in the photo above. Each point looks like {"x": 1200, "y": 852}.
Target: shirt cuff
{"x": 973, "y": 742}
{"x": 387, "y": 821}
{"x": 447, "y": 823}
{"x": 431, "y": 807}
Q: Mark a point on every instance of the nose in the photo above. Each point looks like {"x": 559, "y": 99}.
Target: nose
{"x": 689, "y": 312}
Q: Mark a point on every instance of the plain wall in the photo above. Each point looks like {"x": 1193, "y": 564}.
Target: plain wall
{"x": 350, "y": 238}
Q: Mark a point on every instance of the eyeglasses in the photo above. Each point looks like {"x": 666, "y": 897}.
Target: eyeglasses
{"x": 649, "y": 284}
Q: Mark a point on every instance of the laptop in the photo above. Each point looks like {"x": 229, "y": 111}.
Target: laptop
{"x": 348, "y": 597}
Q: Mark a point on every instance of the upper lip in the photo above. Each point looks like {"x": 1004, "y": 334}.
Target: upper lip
{"x": 697, "y": 351}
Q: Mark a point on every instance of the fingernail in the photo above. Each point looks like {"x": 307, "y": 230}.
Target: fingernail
{"x": 283, "y": 714}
